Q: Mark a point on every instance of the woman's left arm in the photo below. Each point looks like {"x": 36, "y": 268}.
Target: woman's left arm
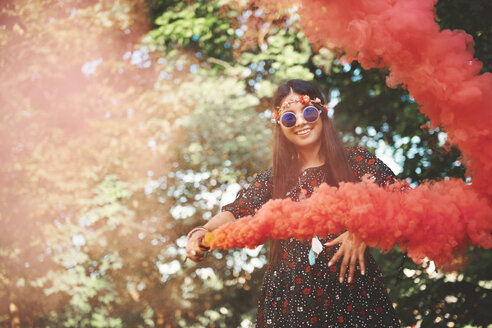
{"x": 352, "y": 248}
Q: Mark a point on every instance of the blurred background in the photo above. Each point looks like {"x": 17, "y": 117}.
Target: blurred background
{"x": 125, "y": 123}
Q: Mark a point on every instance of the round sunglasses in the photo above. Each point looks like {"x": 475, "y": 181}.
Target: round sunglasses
{"x": 310, "y": 113}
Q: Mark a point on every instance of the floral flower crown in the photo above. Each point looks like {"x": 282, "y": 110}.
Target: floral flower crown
{"x": 303, "y": 99}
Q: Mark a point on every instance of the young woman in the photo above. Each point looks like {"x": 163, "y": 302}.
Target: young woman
{"x": 298, "y": 291}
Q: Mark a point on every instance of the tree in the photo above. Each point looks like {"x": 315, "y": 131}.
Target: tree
{"x": 81, "y": 110}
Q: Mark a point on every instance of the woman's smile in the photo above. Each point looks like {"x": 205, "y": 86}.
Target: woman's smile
{"x": 303, "y": 132}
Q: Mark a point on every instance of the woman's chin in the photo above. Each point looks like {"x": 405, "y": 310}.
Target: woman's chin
{"x": 305, "y": 142}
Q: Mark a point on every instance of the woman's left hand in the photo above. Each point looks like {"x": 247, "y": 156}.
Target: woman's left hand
{"x": 352, "y": 248}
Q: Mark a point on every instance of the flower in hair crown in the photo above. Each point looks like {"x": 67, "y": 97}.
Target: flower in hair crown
{"x": 303, "y": 99}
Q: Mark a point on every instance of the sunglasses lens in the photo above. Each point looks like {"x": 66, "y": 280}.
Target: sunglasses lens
{"x": 311, "y": 114}
{"x": 288, "y": 120}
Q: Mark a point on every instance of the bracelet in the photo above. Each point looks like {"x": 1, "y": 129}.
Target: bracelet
{"x": 188, "y": 236}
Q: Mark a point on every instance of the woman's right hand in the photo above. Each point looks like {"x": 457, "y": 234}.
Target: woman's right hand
{"x": 193, "y": 250}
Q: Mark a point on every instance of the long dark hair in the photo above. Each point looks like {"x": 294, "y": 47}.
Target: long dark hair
{"x": 286, "y": 160}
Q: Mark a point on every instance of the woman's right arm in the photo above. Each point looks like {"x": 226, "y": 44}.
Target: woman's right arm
{"x": 193, "y": 250}
{"x": 247, "y": 202}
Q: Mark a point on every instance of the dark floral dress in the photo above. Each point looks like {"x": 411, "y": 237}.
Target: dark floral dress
{"x": 297, "y": 294}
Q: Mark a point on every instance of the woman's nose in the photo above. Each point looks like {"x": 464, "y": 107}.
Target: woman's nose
{"x": 300, "y": 120}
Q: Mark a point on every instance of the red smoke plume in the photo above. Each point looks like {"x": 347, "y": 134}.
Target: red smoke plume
{"x": 432, "y": 220}
{"x": 440, "y": 73}
{"x": 437, "y": 67}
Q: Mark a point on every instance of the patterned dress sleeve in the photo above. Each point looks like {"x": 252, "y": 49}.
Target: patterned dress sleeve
{"x": 250, "y": 199}
{"x": 363, "y": 162}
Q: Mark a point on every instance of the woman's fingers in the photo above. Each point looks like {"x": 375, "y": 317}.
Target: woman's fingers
{"x": 353, "y": 261}
{"x": 334, "y": 241}
{"x": 336, "y": 257}
{"x": 362, "y": 262}
{"x": 339, "y": 253}
{"x": 196, "y": 256}
{"x": 343, "y": 267}
{"x": 352, "y": 250}
{"x": 193, "y": 250}
{"x": 190, "y": 252}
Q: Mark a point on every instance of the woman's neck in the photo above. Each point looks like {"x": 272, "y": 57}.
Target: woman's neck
{"x": 311, "y": 157}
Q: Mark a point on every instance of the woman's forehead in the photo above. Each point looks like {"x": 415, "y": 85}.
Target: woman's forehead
{"x": 290, "y": 101}
{"x": 291, "y": 97}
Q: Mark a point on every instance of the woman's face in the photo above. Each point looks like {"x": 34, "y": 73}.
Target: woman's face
{"x": 303, "y": 134}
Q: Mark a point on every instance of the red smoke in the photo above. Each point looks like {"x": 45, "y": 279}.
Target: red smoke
{"x": 432, "y": 220}
{"x": 437, "y": 67}
{"x": 440, "y": 73}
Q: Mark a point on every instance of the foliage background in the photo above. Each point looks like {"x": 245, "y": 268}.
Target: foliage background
{"x": 124, "y": 123}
